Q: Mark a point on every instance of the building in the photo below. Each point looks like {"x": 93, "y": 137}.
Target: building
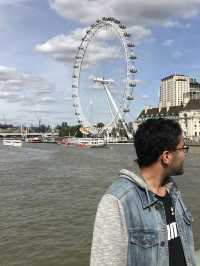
{"x": 172, "y": 89}
{"x": 188, "y": 116}
{"x": 179, "y": 100}
{"x": 189, "y": 119}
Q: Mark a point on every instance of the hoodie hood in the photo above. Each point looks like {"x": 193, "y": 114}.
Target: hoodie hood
{"x": 147, "y": 197}
{"x": 136, "y": 178}
{"x": 133, "y": 177}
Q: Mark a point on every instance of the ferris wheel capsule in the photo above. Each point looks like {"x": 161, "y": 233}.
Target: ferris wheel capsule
{"x": 133, "y": 70}
{"x": 129, "y": 98}
{"x": 126, "y": 110}
{"x": 117, "y": 21}
{"x": 132, "y": 84}
{"x": 132, "y": 57}
{"x": 130, "y": 44}
{"x": 122, "y": 26}
{"x": 126, "y": 34}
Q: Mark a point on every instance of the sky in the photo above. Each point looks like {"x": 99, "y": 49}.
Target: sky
{"x": 39, "y": 40}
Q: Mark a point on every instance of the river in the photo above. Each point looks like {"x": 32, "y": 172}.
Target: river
{"x": 49, "y": 195}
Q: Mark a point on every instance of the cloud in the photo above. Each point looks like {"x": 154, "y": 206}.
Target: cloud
{"x": 168, "y": 43}
{"x": 139, "y": 33}
{"x": 63, "y": 48}
{"x": 17, "y": 87}
{"x": 177, "y": 54}
{"x": 46, "y": 100}
{"x": 145, "y": 96}
{"x": 138, "y": 15}
{"x": 40, "y": 110}
{"x": 13, "y": 2}
{"x": 134, "y": 12}
{"x": 173, "y": 24}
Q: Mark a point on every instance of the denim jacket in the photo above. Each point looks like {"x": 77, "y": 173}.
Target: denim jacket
{"x": 146, "y": 221}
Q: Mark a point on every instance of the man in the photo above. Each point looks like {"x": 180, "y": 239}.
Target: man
{"x": 141, "y": 220}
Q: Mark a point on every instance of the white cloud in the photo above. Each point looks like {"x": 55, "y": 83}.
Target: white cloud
{"x": 13, "y": 2}
{"x": 173, "y": 24}
{"x": 145, "y": 96}
{"x": 177, "y": 54}
{"x": 17, "y": 87}
{"x": 138, "y": 15}
{"x": 135, "y": 12}
{"x": 168, "y": 43}
{"x": 63, "y": 48}
{"x": 139, "y": 33}
{"x": 46, "y": 100}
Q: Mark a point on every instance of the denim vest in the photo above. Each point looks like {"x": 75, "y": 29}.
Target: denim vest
{"x": 146, "y": 224}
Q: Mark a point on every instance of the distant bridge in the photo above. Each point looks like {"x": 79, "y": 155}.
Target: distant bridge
{"x": 28, "y": 135}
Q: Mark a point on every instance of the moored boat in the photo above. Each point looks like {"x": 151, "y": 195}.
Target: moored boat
{"x": 12, "y": 142}
{"x": 34, "y": 140}
{"x": 91, "y": 143}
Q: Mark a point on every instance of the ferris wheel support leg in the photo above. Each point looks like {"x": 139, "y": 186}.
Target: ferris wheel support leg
{"x": 110, "y": 98}
{"x": 117, "y": 111}
{"x": 109, "y": 104}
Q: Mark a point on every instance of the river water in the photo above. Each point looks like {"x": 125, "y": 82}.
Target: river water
{"x": 49, "y": 195}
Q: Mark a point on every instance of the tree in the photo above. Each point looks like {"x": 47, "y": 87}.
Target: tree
{"x": 100, "y": 125}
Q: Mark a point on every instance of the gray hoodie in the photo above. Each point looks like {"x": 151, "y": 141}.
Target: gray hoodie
{"x": 110, "y": 236}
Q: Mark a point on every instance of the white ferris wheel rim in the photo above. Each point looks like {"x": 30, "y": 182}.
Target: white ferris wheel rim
{"x": 123, "y": 35}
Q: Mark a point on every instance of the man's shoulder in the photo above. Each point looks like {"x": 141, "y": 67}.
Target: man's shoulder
{"x": 121, "y": 187}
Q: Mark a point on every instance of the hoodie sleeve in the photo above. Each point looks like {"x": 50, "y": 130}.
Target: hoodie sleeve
{"x": 110, "y": 238}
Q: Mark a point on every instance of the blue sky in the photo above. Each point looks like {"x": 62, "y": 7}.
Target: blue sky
{"x": 39, "y": 39}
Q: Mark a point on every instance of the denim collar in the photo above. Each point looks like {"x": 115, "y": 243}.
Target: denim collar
{"x": 147, "y": 197}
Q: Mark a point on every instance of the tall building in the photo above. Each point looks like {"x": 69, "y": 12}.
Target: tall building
{"x": 172, "y": 89}
{"x": 179, "y": 100}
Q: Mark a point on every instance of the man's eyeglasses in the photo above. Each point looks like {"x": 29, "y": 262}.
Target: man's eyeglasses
{"x": 185, "y": 148}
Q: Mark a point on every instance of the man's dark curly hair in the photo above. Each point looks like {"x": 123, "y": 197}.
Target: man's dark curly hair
{"x": 153, "y": 137}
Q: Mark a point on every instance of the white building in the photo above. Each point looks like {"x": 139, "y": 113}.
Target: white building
{"x": 172, "y": 89}
{"x": 179, "y": 100}
{"x": 189, "y": 119}
{"x": 188, "y": 116}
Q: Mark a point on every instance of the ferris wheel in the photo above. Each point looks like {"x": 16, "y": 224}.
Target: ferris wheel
{"x": 117, "y": 108}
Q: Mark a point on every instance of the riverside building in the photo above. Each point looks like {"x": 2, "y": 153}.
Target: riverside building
{"x": 179, "y": 100}
{"x": 172, "y": 89}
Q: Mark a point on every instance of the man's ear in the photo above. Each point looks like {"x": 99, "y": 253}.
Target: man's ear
{"x": 166, "y": 158}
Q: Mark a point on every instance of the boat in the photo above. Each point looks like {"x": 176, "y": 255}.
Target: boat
{"x": 84, "y": 142}
{"x": 97, "y": 143}
{"x": 12, "y": 142}
{"x": 49, "y": 138}
{"x": 34, "y": 140}
{"x": 90, "y": 143}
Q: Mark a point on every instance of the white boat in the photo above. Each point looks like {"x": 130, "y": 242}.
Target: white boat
{"x": 87, "y": 142}
{"x": 97, "y": 143}
{"x": 33, "y": 140}
{"x": 12, "y": 142}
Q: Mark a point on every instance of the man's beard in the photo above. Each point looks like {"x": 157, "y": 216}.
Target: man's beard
{"x": 176, "y": 170}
